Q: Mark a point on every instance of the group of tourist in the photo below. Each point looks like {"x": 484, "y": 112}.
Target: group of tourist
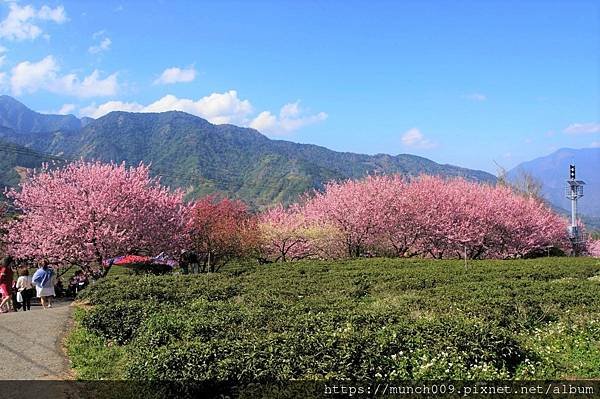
{"x": 18, "y": 293}
{"x": 44, "y": 284}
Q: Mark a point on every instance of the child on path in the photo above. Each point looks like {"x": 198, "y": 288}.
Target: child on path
{"x": 25, "y": 288}
{"x": 15, "y": 302}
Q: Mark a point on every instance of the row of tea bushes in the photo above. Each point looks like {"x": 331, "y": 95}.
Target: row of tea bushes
{"x": 360, "y": 320}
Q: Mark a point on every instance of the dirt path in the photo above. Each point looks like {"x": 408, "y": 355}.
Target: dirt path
{"x": 31, "y": 343}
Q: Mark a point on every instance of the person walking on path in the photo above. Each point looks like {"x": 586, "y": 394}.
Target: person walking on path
{"x": 43, "y": 279}
{"x": 15, "y": 302}
{"x": 6, "y": 280}
{"x": 25, "y": 288}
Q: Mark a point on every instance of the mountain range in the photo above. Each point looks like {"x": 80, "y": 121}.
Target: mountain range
{"x": 189, "y": 152}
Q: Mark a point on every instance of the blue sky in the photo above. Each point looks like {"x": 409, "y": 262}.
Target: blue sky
{"x": 467, "y": 83}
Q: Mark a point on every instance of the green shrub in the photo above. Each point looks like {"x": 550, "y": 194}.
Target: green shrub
{"x": 430, "y": 349}
{"x": 171, "y": 289}
{"x": 118, "y": 321}
{"x": 360, "y": 320}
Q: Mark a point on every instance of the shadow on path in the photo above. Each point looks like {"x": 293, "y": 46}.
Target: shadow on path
{"x": 31, "y": 343}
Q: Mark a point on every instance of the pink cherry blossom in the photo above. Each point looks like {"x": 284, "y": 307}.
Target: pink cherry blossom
{"x": 434, "y": 217}
{"x": 594, "y": 248}
{"x": 89, "y": 211}
{"x": 287, "y": 234}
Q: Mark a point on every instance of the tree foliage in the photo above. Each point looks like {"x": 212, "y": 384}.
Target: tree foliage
{"x": 593, "y": 248}
{"x": 428, "y": 216}
{"x": 88, "y": 211}
{"x": 287, "y": 234}
{"x": 221, "y": 230}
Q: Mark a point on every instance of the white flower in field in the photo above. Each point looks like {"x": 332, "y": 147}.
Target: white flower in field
{"x": 426, "y": 366}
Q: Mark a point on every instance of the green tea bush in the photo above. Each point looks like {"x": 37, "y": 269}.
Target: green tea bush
{"x": 172, "y": 289}
{"x": 429, "y": 349}
{"x": 359, "y": 320}
{"x": 118, "y": 321}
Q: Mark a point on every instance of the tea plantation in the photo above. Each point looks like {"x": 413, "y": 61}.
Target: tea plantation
{"x": 366, "y": 320}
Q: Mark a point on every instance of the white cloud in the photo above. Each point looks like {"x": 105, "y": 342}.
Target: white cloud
{"x": 475, "y": 97}
{"x": 44, "y": 75}
{"x": 176, "y": 75}
{"x": 291, "y": 118}
{"x": 93, "y": 86}
{"x": 583, "y": 128}
{"x": 595, "y": 144}
{"x": 21, "y": 23}
{"x": 53, "y": 14}
{"x": 66, "y": 109}
{"x": 414, "y": 138}
{"x": 104, "y": 45}
{"x": 217, "y": 108}
{"x": 30, "y": 76}
{"x": 264, "y": 121}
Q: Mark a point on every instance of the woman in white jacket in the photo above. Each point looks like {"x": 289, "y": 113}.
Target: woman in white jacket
{"x": 44, "y": 279}
{"x": 25, "y": 288}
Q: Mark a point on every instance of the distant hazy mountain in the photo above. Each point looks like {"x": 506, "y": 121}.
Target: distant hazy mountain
{"x": 18, "y": 117}
{"x": 553, "y": 171}
{"x": 190, "y": 152}
{"x": 13, "y": 159}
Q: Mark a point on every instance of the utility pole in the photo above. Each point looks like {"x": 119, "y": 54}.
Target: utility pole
{"x": 574, "y": 191}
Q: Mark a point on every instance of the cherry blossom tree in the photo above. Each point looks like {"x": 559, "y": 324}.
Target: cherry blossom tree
{"x": 88, "y": 211}
{"x": 526, "y": 225}
{"x": 435, "y": 217}
{"x": 356, "y": 208}
{"x": 593, "y": 248}
{"x": 283, "y": 234}
{"x": 287, "y": 234}
{"x": 221, "y": 230}
{"x": 457, "y": 217}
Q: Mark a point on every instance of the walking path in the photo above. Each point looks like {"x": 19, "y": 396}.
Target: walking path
{"x": 31, "y": 343}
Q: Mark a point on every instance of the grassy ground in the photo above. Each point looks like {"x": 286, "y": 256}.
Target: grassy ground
{"x": 361, "y": 320}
